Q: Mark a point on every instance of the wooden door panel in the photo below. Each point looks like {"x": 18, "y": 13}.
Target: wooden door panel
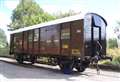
{"x": 76, "y": 37}
{"x": 65, "y": 39}
{"x": 43, "y": 40}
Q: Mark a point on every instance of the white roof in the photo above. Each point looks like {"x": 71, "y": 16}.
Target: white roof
{"x": 53, "y": 22}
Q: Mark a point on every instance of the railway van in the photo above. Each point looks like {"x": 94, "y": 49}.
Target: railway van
{"x": 71, "y": 43}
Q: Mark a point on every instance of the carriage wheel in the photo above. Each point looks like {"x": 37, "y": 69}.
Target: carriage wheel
{"x": 32, "y": 59}
{"x": 80, "y": 69}
{"x": 19, "y": 58}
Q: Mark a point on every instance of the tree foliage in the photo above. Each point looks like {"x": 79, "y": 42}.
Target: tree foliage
{"x": 3, "y": 40}
{"x": 112, "y": 43}
{"x": 65, "y": 14}
{"x": 28, "y": 13}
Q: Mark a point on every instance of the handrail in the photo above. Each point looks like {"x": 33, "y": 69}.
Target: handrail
{"x": 99, "y": 45}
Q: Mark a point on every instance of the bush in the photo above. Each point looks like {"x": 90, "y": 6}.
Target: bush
{"x": 115, "y": 54}
{"x": 116, "y": 61}
{"x": 4, "y": 51}
{"x": 112, "y": 43}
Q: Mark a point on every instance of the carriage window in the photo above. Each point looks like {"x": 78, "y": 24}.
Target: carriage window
{"x": 87, "y": 28}
{"x": 36, "y": 34}
{"x": 30, "y": 35}
{"x": 18, "y": 40}
{"x": 98, "y": 22}
{"x": 65, "y": 33}
{"x": 96, "y": 33}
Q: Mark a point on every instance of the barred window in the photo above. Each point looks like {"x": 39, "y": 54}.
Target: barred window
{"x": 30, "y": 35}
{"x": 36, "y": 34}
{"x": 65, "y": 33}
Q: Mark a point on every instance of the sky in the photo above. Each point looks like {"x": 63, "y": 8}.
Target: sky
{"x": 108, "y": 9}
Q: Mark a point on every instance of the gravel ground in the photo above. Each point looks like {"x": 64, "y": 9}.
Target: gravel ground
{"x": 10, "y": 71}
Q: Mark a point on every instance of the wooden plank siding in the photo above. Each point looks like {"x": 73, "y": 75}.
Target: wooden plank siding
{"x": 54, "y": 40}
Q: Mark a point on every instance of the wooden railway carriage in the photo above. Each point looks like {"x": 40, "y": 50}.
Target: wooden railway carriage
{"x": 71, "y": 42}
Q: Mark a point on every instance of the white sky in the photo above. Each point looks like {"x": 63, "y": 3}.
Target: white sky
{"x": 109, "y": 9}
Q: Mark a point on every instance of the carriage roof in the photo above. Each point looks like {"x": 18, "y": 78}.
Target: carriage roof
{"x": 53, "y": 22}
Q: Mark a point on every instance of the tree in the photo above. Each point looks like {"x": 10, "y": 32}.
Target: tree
{"x": 117, "y": 32}
{"x": 112, "y": 43}
{"x": 3, "y": 41}
{"x": 28, "y": 13}
{"x": 66, "y": 14}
